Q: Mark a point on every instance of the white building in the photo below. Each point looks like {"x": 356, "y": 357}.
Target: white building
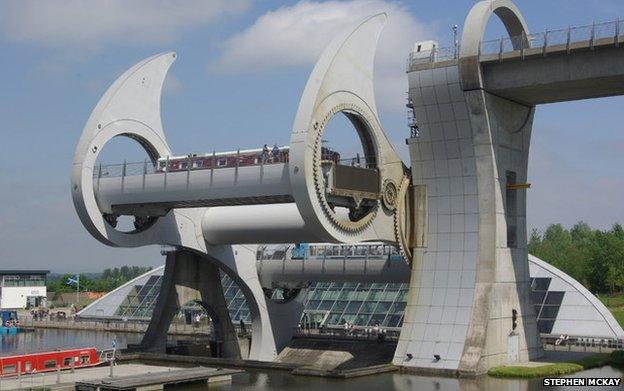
{"x": 21, "y": 289}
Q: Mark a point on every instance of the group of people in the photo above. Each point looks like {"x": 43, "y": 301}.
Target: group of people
{"x": 350, "y": 329}
{"x": 10, "y": 323}
{"x": 270, "y": 156}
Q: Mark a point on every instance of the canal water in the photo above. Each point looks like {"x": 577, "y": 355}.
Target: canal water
{"x": 49, "y": 339}
{"x": 42, "y": 340}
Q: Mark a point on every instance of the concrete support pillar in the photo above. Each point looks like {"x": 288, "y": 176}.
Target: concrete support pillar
{"x": 472, "y": 280}
{"x": 473, "y": 273}
{"x": 190, "y": 278}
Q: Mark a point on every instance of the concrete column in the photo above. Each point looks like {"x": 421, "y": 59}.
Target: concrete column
{"x": 189, "y": 278}
{"x": 467, "y": 281}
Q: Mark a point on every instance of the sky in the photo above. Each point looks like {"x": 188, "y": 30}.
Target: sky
{"x": 241, "y": 68}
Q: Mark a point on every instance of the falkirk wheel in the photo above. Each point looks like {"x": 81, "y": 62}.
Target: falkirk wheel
{"x": 216, "y": 217}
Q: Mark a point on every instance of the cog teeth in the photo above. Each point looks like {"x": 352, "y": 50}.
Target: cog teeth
{"x": 404, "y": 250}
{"x": 317, "y": 175}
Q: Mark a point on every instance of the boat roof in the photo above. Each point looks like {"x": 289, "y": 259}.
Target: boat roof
{"x": 48, "y": 352}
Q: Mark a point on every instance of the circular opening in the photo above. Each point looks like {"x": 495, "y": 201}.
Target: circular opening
{"x": 346, "y": 134}
{"x": 349, "y": 164}
{"x": 122, "y": 156}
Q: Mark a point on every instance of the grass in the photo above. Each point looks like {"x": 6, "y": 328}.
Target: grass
{"x": 619, "y": 316}
{"x": 541, "y": 371}
{"x": 615, "y": 359}
{"x": 616, "y": 300}
{"x": 615, "y": 304}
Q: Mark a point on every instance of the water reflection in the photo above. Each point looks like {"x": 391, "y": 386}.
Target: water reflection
{"x": 49, "y": 339}
{"x": 277, "y": 380}
{"x": 42, "y": 340}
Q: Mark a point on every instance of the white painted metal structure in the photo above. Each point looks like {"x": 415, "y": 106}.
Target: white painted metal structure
{"x": 456, "y": 214}
{"x": 341, "y": 82}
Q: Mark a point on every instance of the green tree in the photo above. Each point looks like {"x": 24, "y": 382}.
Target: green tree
{"x": 595, "y": 258}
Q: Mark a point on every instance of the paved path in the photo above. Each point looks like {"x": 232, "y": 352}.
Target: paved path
{"x": 67, "y": 379}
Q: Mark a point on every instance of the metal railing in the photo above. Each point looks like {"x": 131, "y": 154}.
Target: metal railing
{"x": 370, "y": 333}
{"x": 360, "y": 161}
{"x": 147, "y": 167}
{"x": 581, "y": 343}
{"x": 113, "y": 324}
{"x": 596, "y": 33}
{"x": 436, "y": 54}
{"x": 329, "y": 251}
{"x": 611, "y": 32}
{"x": 124, "y": 169}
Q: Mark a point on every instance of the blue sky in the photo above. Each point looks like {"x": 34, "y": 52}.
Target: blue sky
{"x": 241, "y": 68}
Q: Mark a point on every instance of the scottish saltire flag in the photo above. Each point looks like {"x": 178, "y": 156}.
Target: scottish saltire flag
{"x": 72, "y": 280}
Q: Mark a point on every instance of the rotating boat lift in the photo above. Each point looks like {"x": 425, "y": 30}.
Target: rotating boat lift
{"x": 215, "y": 218}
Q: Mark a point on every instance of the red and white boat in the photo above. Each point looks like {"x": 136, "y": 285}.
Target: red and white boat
{"x": 48, "y": 361}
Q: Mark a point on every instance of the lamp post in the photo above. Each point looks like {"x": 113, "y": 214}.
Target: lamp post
{"x": 455, "y": 44}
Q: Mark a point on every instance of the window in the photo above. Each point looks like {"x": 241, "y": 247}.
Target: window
{"x": 9, "y": 369}
{"x": 537, "y": 297}
{"x": 28, "y": 366}
{"x": 554, "y": 298}
{"x": 392, "y": 321}
{"x": 222, "y": 162}
{"x": 418, "y": 48}
{"x": 84, "y": 360}
{"x": 540, "y": 284}
{"x": 49, "y": 364}
{"x": 353, "y": 306}
{"x": 23, "y": 280}
{"x": 545, "y": 326}
{"x": 67, "y": 361}
{"x": 549, "y": 312}
{"x": 511, "y": 210}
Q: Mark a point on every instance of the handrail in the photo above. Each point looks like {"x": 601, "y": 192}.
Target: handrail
{"x": 566, "y": 38}
{"x": 145, "y": 167}
{"x": 331, "y": 251}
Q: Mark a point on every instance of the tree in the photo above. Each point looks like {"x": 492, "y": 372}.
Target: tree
{"x": 535, "y": 243}
{"x": 595, "y": 258}
{"x": 106, "y": 281}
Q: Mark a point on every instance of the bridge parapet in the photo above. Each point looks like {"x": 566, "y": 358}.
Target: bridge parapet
{"x": 550, "y": 41}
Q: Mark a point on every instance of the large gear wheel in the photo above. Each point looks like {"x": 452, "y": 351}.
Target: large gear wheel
{"x": 401, "y": 228}
{"x": 390, "y": 194}
{"x": 350, "y": 227}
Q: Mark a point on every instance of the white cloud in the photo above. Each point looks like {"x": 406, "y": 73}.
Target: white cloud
{"x": 85, "y": 23}
{"x": 296, "y": 35}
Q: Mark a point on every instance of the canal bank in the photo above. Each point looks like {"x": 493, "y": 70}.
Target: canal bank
{"x": 271, "y": 376}
{"x": 129, "y": 376}
{"x": 29, "y": 323}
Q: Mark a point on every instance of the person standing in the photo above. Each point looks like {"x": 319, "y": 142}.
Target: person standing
{"x": 275, "y": 152}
